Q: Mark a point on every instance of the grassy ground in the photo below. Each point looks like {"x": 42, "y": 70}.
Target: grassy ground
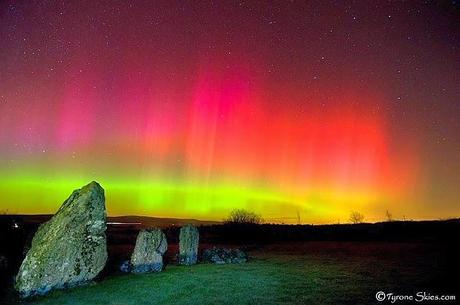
{"x": 332, "y": 275}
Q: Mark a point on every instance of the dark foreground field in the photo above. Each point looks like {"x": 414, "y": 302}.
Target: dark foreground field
{"x": 340, "y": 271}
{"x": 295, "y": 273}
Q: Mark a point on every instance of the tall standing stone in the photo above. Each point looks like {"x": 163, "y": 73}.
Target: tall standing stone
{"x": 148, "y": 252}
{"x": 188, "y": 245}
{"x": 70, "y": 249}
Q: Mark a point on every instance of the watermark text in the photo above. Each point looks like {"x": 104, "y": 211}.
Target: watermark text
{"x": 421, "y": 296}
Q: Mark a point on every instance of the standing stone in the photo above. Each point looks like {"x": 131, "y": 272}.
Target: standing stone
{"x": 148, "y": 253}
{"x": 70, "y": 249}
{"x": 188, "y": 245}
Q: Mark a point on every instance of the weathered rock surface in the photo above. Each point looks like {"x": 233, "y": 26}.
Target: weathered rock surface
{"x": 148, "y": 254}
{"x": 70, "y": 249}
{"x": 188, "y": 245}
{"x": 224, "y": 256}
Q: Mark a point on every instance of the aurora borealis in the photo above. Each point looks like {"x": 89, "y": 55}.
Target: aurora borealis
{"x": 309, "y": 108}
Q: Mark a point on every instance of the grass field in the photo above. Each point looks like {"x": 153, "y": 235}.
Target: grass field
{"x": 308, "y": 273}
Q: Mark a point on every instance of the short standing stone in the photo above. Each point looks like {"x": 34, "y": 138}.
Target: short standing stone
{"x": 148, "y": 253}
{"x": 224, "y": 256}
{"x": 125, "y": 266}
{"x": 188, "y": 245}
{"x": 70, "y": 249}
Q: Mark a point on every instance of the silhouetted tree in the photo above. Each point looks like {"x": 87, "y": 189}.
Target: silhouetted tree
{"x": 356, "y": 217}
{"x": 244, "y": 216}
{"x": 389, "y": 216}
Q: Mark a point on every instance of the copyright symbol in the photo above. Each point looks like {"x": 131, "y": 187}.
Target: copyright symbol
{"x": 380, "y": 296}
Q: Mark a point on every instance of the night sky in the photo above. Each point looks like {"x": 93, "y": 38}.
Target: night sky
{"x": 285, "y": 108}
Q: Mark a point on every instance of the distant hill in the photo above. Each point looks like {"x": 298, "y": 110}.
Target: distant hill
{"x": 158, "y": 222}
{"x": 143, "y": 221}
